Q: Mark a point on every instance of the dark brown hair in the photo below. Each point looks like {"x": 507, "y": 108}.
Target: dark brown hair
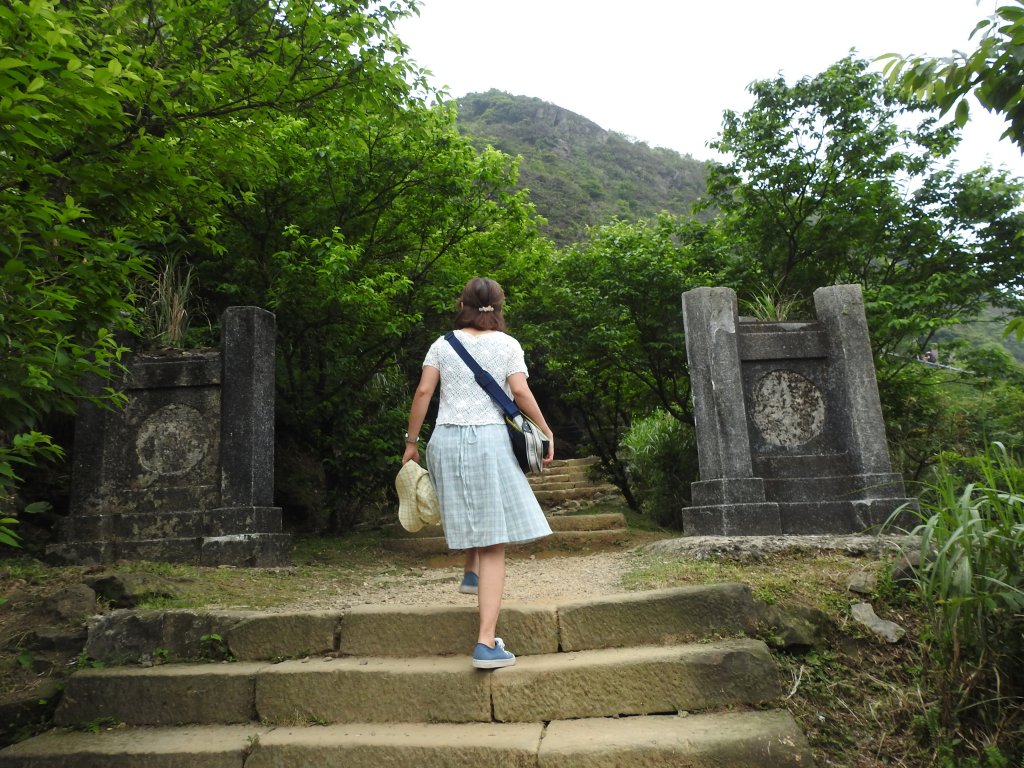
{"x": 481, "y": 293}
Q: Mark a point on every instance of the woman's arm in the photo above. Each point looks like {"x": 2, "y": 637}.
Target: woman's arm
{"x": 527, "y": 403}
{"x": 420, "y": 402}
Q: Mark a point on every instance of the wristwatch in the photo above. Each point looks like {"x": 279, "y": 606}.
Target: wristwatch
{"x": 413, "y": 440}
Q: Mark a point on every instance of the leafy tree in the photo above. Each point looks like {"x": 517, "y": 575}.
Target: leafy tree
{"x": 359, "y": 241}
{"x": 825, "y": 187}
{"x": 66, "y": 278}
{"x": 609, "y": 323}
{"x": 832, "y": 181}
{"x": 128, "y": 128}
{"x": 992, "y": 72}
{"x": 930, "y": 411}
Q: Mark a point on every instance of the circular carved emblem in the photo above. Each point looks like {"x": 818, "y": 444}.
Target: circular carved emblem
{"x": 172, "y": 440}
{"x": 788, "y": 409}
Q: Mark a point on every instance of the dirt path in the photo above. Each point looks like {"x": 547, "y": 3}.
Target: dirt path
{"x": 558, "y": 577}
{"x": 542, "y": 578}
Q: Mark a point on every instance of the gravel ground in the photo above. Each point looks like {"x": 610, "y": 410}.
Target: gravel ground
{"x": 536, "y": 579}
{"x": 564, "y": 577}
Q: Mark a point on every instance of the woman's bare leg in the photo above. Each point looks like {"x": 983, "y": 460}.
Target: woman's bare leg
{"x": 492, "y": 584}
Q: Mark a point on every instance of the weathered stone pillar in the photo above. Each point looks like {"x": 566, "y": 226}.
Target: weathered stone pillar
{"x": 728, "y": 497}
{"x": 840, "y": 310}
{"x": 247, "y": 404}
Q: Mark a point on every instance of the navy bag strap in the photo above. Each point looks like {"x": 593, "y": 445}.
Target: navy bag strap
{"x": 483, "y": 378}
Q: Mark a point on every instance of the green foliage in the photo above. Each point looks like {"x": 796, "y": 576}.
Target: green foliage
{"x": 608, "y": 322}
{"x": 278, "y": 154}
{"x": 212, "y": 646}
{"x": 169, "y": 305}
{"x": 988, "y": 330}
{"x": 661, "y": 462}
{"x": 959, "y": 409}
{"x": 8, "y": 536}
{"x": 98, "y": 725}
{"x": 826, "y": 186}
{"x": 25, "y": 449}
{"x": 834, "y": 180}
{"x": 578, "y": 174}
{"x": 991, "y": 364}
{"x": 972, "y": 540}
{"x": 360, "y": 241}
{"x": 1015, "y": 328}
{"x": 85, "y": 661}
{"x": 130, "y": 131}
{"x": 768, "y": 305}
{"x": 991, "y": 72}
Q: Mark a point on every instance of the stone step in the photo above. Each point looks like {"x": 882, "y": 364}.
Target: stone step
{"x": 586, "y": 461}
{"x": 597, "y": 682}
{"x": 572, "y": 485}
{"x": 769, "y": 739}
{"x": 561, "y": 474}
{"x": 250, "y": 550}
{"x": 548, "y": 498}
{"x": 604, "y": 521}
{"x": 653, "y": 617}
{"x": 817, "y": 489}
{"x": 574, "y": 474}
{"x": 573, "y": 468}
{"x": 447, "y": 689}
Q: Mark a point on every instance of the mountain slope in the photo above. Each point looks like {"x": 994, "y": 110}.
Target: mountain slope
{"x": 578, "y": 173}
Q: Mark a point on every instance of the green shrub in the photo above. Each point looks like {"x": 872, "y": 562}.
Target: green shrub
{"x": 661, "y": 461}
{"x": 972, "y": 585}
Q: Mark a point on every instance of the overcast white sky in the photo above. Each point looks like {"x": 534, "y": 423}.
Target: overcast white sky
{"x": 663, "y": 71}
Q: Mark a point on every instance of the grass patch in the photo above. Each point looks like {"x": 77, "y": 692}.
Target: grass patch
{"x": 320, "y": 567}
{"x": 813, "y": 579}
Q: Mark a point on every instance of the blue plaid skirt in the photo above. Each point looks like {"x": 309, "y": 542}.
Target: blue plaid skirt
{"x": 485, "y": 497}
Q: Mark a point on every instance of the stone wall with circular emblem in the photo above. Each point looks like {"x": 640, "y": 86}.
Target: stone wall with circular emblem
{"x": 787, "y": 408}
{"x": 172, "y": 440}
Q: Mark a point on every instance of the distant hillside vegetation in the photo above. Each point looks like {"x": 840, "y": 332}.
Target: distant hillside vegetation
{"x": 578, "y": 173}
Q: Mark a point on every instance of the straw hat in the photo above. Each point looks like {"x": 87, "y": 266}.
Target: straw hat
{"x": 417, "y": 500}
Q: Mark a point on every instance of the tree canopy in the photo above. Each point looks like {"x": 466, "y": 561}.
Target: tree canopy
{"x": 992, "y": 72}
{"x": 607, "y": 321}
{"x": 280, "y": 153}
{"x": 826, "y": 185}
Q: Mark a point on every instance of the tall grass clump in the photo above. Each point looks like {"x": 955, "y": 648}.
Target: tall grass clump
{"x": 971, "y": 582}
{"x": 168, "y": 304}
{"x": 768, "y": 304}
{"x": 661, "y": 462}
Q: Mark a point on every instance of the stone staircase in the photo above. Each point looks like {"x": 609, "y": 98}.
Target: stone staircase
{"x": 566, "y": 485}
{"x": 670, "y": 677}
{"x": 564, "y": 490}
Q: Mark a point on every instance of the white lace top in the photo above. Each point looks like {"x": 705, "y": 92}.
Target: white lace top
{"x": 463, "y": 401}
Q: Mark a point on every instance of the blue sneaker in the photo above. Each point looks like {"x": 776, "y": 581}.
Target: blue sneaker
{"x": 485, "y": 657}
{"x": 470, "y": 583}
